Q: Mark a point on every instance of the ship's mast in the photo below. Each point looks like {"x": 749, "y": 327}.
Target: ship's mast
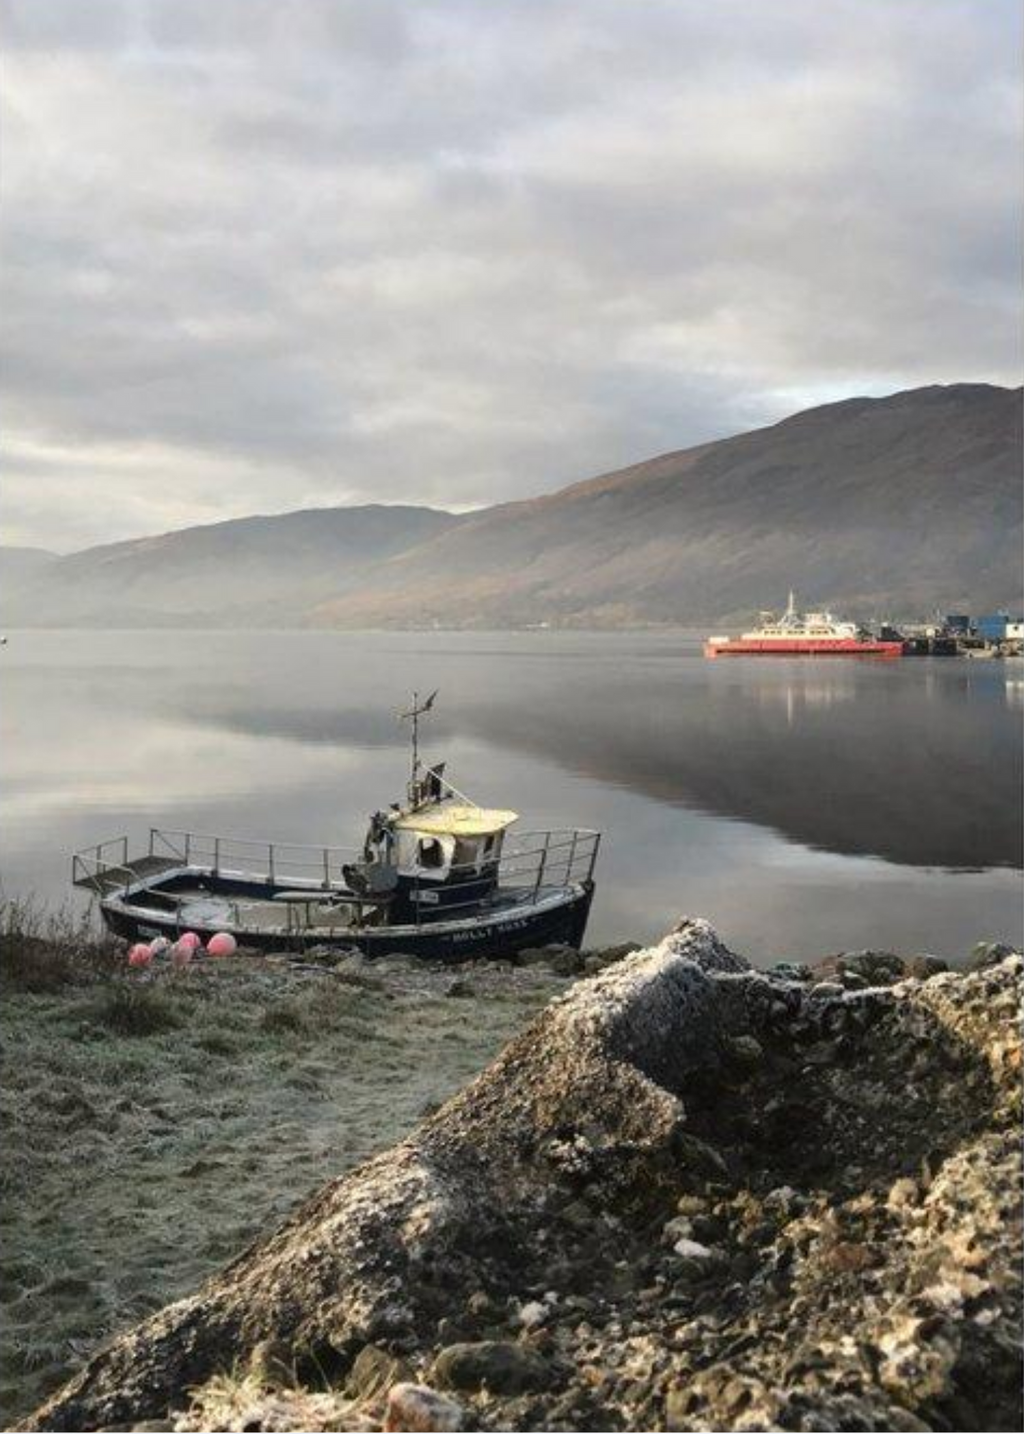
{"x": 414, "y": 714}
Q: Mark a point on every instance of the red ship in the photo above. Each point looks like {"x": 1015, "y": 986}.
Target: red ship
{"x": 813, "y": 634}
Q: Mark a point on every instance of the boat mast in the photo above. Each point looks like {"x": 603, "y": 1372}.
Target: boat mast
{"x": 414, "y": 714}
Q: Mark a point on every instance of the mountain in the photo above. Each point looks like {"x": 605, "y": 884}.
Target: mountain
{"x": 20, "y": 565}
{"x": 877, "y": 506}
{"x": 259, "y": 571}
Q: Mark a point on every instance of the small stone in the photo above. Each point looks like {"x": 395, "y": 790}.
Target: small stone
{"x": 901, "y": 1421}
{"x": 688, "y": 1249}
{"x": 924, "y": 966}
{"x": 790, "y": 971}
{"x": 694, "y": 1261}
{"x": 578, "y": 1215}
{"x": 496, "y": 1365}
{"x": 272, "y": 1362}
{"x": 853, "y": 981}
{"x": 847, "y": 1257}
{"x": 905, "y": 1192}
{"x": 374, "y": 1371}
{"x": 699, "y": 1157}
{"x": 561, "y": 960}
{"x": 878, "y": 968}
{"x": 533, "y": 1314}
{"x": 988, "y": 953}
{"x": 826, "y": 988}
{"x": 594, "y": 961}
{"x": 678, "y": 1228}
{"x": 917, "y": 1360}
{"x": 421, "y": 1410}
{"x": 745, "y": 1051}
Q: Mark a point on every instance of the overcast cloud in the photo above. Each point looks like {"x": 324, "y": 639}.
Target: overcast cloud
{"x": 268, "y": 254}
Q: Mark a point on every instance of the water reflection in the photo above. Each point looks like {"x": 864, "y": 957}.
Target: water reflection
{"x": 786, "y": 801}
{"x": 919, "y": 772}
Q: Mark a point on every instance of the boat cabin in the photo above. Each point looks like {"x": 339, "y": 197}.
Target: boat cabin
{"x": 432, "y": 859}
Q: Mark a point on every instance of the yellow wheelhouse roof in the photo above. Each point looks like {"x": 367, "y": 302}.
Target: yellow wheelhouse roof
{"x": 456, "y": 821}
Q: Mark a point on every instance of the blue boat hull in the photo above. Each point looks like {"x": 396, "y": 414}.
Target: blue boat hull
{"x": 501, "y": 933}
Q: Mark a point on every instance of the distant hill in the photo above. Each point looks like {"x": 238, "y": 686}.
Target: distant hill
{"x": 887, "y": 506}
{"x": 260, "y": 571}
{"x": 20, "y": 565}
{"x": 875, "y": 506}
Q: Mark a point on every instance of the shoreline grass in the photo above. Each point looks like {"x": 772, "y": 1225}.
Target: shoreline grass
{"x": 43, "y": 950}
{"x": 156, "y": 1122}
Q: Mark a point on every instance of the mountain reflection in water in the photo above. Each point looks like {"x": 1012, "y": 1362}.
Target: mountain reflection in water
{"x": 919, "y": 765}
{"x": 916, "y": 767}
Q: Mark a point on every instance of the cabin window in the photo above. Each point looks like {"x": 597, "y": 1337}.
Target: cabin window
{"x": 431, "y": 853}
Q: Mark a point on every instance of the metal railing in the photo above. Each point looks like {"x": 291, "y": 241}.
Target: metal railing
{"x": 534, "y": 864}
{"x": 530, "y": 865}
{"x": 318, "y": 867}
{"x": 90, "y": 864}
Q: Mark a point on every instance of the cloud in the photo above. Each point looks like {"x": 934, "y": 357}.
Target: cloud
{"x": 268, "y": 253}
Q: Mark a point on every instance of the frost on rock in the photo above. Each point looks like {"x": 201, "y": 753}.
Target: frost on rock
{"x": 689, "y": 1195}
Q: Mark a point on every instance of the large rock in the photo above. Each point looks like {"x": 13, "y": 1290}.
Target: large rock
{"x": 498, "y": 1366}
{"x": 550, "y": 1177}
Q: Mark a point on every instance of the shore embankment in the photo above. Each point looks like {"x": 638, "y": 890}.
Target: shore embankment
{"x": 688, "y": 1195}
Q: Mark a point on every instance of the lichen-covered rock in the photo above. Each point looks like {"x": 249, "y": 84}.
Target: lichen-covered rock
{"x": 988, "y": 953}
{"x": 856, "y": 1187}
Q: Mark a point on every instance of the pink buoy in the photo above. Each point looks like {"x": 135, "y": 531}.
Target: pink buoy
{"x": 181, "y": 953}
{"x": 140, "y": 954}
{"x": 191, "y": 940}
{"x": 222, "y": 943}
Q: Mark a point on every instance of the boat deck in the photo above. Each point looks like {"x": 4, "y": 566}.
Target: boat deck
{"x": 106, "y": 879}
{"x": 299, "y": 911}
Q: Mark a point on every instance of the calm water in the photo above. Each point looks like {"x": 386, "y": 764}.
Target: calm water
{"x": 802, "y": 807}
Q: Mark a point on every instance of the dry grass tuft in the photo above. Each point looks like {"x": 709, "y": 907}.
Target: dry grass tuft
{"x": 129, "y": 1009}
{"x": 244, "y": 1402}
{"x": 282, "y": 1019}
{"x": 42, "y": 951}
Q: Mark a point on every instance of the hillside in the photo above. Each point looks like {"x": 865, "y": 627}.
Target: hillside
{"x": 21, "y": 565}
{"x": 259, "y": 571}
{"x": 879, "y": 506}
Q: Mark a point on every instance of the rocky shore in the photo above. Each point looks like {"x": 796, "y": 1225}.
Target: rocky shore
{"x": 689, "y": 1195}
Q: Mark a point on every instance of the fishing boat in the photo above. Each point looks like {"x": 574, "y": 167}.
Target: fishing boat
{"x": 438, "y": 876}
{"x": 794, "y": 634}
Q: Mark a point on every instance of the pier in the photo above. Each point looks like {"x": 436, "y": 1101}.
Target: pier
{"x": 959, "y": 635}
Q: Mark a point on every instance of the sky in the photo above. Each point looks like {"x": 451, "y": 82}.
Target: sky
{"x": 258, "y": 255}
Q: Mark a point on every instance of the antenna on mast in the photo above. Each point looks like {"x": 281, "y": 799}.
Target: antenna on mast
{"x": 414, "y": 714}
